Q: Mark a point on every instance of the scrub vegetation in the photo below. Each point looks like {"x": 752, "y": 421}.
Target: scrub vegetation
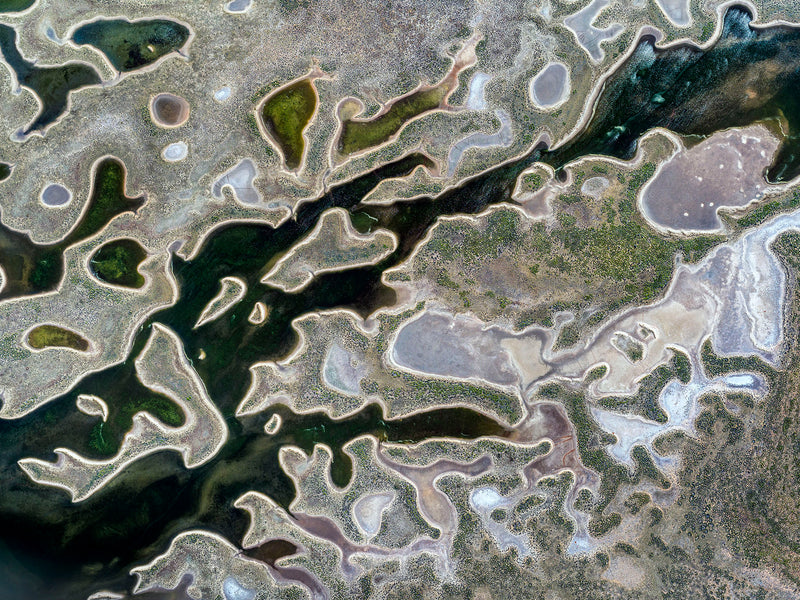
{"x": 645, "y": 401}
{"x": 594, "y": 257}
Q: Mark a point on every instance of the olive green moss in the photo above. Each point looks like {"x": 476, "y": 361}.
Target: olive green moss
{"x": 533, "y": 181}
{"x": 499, "y": 515}
{"x": 360, "y": 135}
{"x": 53, "y": 336}
{"x": 108, "y": 200}
{"x": 596, "y": 373}
{"x": 286, "y": 114}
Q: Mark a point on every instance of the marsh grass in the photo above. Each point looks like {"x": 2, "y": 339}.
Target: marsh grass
{"x": 360, "y": 135}
{"x": 285, "y": 116}
{"x": 53, "y": 336}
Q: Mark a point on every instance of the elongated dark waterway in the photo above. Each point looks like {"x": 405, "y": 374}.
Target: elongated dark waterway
{"x": 52, "y": 85}
{"x": 749, "y": 75}
{"x": 49, "y": 544}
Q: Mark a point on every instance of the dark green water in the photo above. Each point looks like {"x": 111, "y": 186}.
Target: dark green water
{"x": 156, "y": 497}
{"x": 748, "y": 76}
{"x": 52, "y": 85}
{"x": 9, "y": 6}
{"x": 34, "y": 268}
{"x": 131, "y": 45}
{"x": 117, "y": 262}
{"x": 5, "y": 171}
{"x": 49, "y": 540}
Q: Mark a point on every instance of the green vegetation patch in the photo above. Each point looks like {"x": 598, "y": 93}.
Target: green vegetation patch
{"x": 636, "y": 502}
{"x": 592, "y": 442}
{"x": 438, "y": 392}
{"x": 53, "y": 336}
{"x": 599, "y": 526}
{"x": 286, "y": 114}
{"x": 132, "y": 45}
{"x": 360, "y": 135}
{"x": 624, "y": 249}
{"x": 105, "y": 438}
{"x": 533, "y": 181}
{"x": 107, "y": 201}
{"x": 32, "y": 268}
{"x": 763, "y": 212}
{"x": 117, "y": 262}
{"x": 645, "y": 401}
{"x": 715, "y": 365}
{"x": 708, "y": 30}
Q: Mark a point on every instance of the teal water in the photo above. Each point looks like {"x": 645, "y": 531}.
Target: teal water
{"x": 749, "y": 75}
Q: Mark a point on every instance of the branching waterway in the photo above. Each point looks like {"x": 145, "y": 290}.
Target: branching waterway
{"x": 48, "y": 540}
